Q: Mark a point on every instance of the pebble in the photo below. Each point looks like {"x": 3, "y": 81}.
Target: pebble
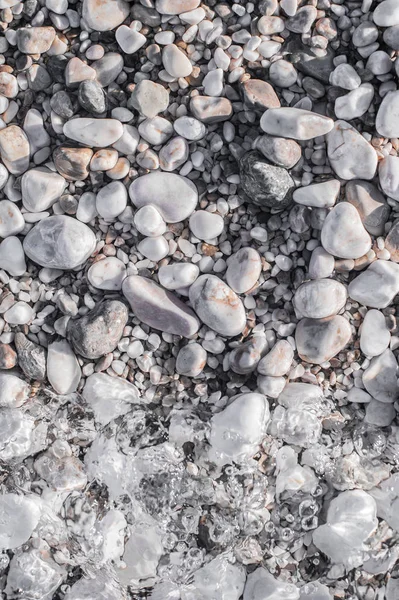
{"x": 154, "y": 248}
{"x": 380, "y": 378}
{"x": 111, "y": 200}
{"x": 320, "y": 195}
{"x": 104, "y": 15}
{"x": 109, "y": 397}
{"x": 108, "y": 68}
{"x": 343, "y": 234}
{"x": 244, "y": 358}
{"x": 211, "y": 110}
{"x": 345, "y": 77}
{"x": 174, "y": 197}
{"x": 40, "y": 188}
{"x": 320, "y": 298}
{"x": 243, "y": 270}
{"x": 8, "y": 85}
{"x": 365, "y": 34}
{"x": 259, "y": 94}
{"x": 91, "y": 98}
{"x": 177, "y": 276}
{"x": 321, "y": 264}
{"x": 280, "y": 151}
{"x": 93, "y": 132}
{"x": 237, "y": 431}
{"x": 370, "y": 204}
{"x": 217, "y": 305}
{"x": 206, "y": 225}
{"x": 270, "y": 386}
{"x": 8, "y": 359}
{"x": 14, "y": 149}
{"x": 386, "y": 14}
{"x": 189, "y": 128}
{"x": 282, "y": 74}
{"x": 355, "y": 104}
{"x": 388, "y": 176}
{"x": 77, "y": 72}
{"x": 31, "y": 357}
{"x": 350, "y": 155}
{"x": 104, "y": 160}
{"x": 176, "y": 62}
{"x": 150, "y": 98}
{"x": 173, "y": 154}
{"x": 278, "y": 361}
{"x": 388, "y": 115}
{"x": 374, "y": 334}
{"x": 377, "y": 286}
{"x": 59, "y": 242}
{"x": 391, "y": 37}
{"x": 175, "y": 7}
{"x": 157, "y": 130}
{"x": 159, "y": 308}
{"x": 295, "y": 123}
{"x": 72, "y": 163}
{"x": 98, "y": 332}
{"x": 149, "y": 221}
{"x": 19, "y": 314}
{"x": 11, "y": 219}
{"x": 14, "y": 392}
{"x": 129, "y": 40}
{"x": 264, "y": 184}
{"x": 391, "y": 242}
{"x": 191, "y": 360}
{"x": 63, "y": 370}
{"x": 35, "y": 40}
{"x": 107, "y": 274}
{"x": 319, "y": 340}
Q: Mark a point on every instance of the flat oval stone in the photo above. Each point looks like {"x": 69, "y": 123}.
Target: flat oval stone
{"x": 377, "y": 286}
{"x": 14, "y": 149}
{"x": 98, "y": 332}
{"x": 345, "y": 77}
{"x": 243, "y": 270}
{"x": 295, "y": 123}
{"x": 191, "y": 360}
{"x": 217, "y": 305}
{"x": 94, "y": 132}
{"x": 320, "y": 298}
{"x": 370, "y": 204}
{"x": 320, "y": 195}
{"x": 63, "y": 370}
{"x": 40, "y": 188}
{"x": 374, "y": 333}
{"x": 265, "y": 185}
{"x": 381, "y": 378}
{"x": 159, "y": 308}
{"x": 211, "y": 110}
{"x": 59, "y": 242}
{"x": 386, "y": 13}
{"x": 387, "y": 120}
{"x": 178, "y": 275}
{"x": 107, "y": 274}
{"x": 206, "y": 225}
{"x": 175, "y": 197}
{"x": 389, "y": 176}
{"x": 154, "y": 248}
{"x": 149, "y": 222}
{"x": 350, "y": 155}
{"x": 72, "y": 163}
{"x": 318, "y": 340}
{"x": 104, "y": 15}
{"x": 280, "y": 151}
{"x": 278, "y": 361}
{"x": 343, "y": 234}
{"x": 35, "y": 40}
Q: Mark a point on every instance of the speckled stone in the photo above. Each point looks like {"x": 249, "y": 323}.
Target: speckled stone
{"x": 264, "y": 184}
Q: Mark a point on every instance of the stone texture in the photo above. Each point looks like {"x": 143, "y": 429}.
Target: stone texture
{"x": 318, "y": 340}
{"x": 14, "y": 149}
{"x": 320, "y": 298}
{"x": 31, "y": 357}
{"x": 343, "y": 234}
{"x": 370, "y": 204}
{"x": 381, "y": 378}
{"x": 280, "y": 151}
{"x": 211, "y": 110}
{"x": 350, "y": 155}
{"x": 104, "y": 15}
{"x": 259, "y": 94}
{"x": 265, "y": 185}
{"x": 377, "y": 286}
{"x": 72, "y": 163}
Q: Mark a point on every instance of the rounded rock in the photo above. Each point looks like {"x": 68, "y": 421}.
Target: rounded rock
{"x": 11, "y": 219}
{"x": 154, "y": 248}
{"x": 295, "y": 123}
{"x": 149, "y": 221}
{"x": 63, "y": 370}
{"x": 374, "y": 334}
{"x": 178, "y": 275}
{"x": 278, "y": 361}
{"x": 176, "y": 62}
{"x": 206, "y": 225}
{"x": 320, "y": 298}
{"x": 150, "y": 98}
{"x": 111, "y": 200}
{"x": 343, "y": 234}
{"x": 243, "y": 270}
{"x": 350, "y": 155}
{"x": 191, "y": 360}
{"x": 107, "y": 274}
{"x": 40, "y": 188}
{"x": 318, "y": 340}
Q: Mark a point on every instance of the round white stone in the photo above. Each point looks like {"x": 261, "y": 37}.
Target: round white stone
{"x": 40, "y": 188}
{"x": 93, "y": 132}
{"x": 129, "y": 40}
{"x": 107, "y": 274}
{"x": 213, "y": 83}
{"x": 374, "y": 334}
{"x": 111, "y": 200}
{"x": 154, "y": 248}
{"x": 11, "y": 219}
{"x": 19, "y": 314}
{"x": 387, "y": 120}
{"x": 350, "y": 155}
{"x": 156, "y": 131}
{"x": 319, "y": 195}
{"x": 13, "y": 391}
{"x": 191, "y": 360}
{"x": 206, "y": 225}
{"x": 243, "y": 270}
{"x": 320, "y": 298}
{"x": 377, "y": 286}
{"x": 178, "y": 275}
{"x": 389, "y": 176}
{"x": 343, "y": 233}
{"x": 12, "y": 256}
{"x": 355, "y": 104}
{"x": 149, "y": 221}
{"x": 19, "y": 516}
{"x": 321, "y": 264}
{"x": 175, "y": 62}
{"x": 190, "y": 128}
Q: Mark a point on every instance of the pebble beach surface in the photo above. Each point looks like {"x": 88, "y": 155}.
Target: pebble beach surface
{"x": 199, "y": 274}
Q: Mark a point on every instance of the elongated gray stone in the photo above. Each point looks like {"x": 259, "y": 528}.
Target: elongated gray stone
{"x": 243, "y": 270}
{"x": 159, "y": 308}
{"x": 59, "y": 242}
{"x": 295, "y": 123}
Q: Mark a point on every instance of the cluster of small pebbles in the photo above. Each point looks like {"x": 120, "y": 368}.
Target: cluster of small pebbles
{"x": 199, "y": 273}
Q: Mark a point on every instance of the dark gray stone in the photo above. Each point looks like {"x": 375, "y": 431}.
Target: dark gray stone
{"x": 56, "y": 67}
{"x": 307, "y": 62}
{"x": 302, "y": 21}
{"x": 62, "y": 104}
{"x": 265, "y": 185}
{"x": 91, "y": 97}
{"x": 98, "y": 332}
{"x": 31, "y": 357}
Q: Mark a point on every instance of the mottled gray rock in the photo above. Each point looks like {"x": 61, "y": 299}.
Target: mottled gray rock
{"x": 211, "y": 110}
{"x": 386, "y": 13}
{"x": 381, "y": 378}
{"x": 265, "y": 185}
{"x": 343, "y": 234}
{"x": 98, "y": 332}
{"x": 280, "y": 151}
{"x": 31, "y": 357}
{"x": 318, "y": 340}
{"x": 319, "y": 195}
{"x": 191, "y": 360}
{"x": 320, "y": 298}
{"x": 35, "y": 40}
{"x": 91, "y": 97}
{"x": 217, "y": 305}
{"x": 377, "y": 286}
{"x": 14, "y": 149}
{"x": 159, "y": 308}
{"x": 370, "y": 204}
{"x": 259, "y": 94}
{"x": 308, "y": 62}
{"x": 59, "y": 242}
{"x": 244, "y": 358}
{"x": 108, "y": 68}
{"x": 72, "y": 163}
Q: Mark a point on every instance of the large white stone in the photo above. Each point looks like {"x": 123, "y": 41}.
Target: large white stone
{"x": 318, "y": 340}
{"x": 343, "y": 233}
{"x": 355, "y": 104}
{"x": 386, "y": 14}
{"x": 295, "y": 123}
{"x": 109, "y": 397}
{"x": 107, "y": 274}
{"x": 93, "y": 132}
{"x": 387, "y": 120}
{"x": 40, "y": 188}
{"x": 19, "y": 516}
{"x": 319, "y": 195}
{"x": 13, "y": 391}
{"x": 388, "y": 173}
{"x": 243, "y": 270}
{"x": 63, "y": 370}
{"x": 261, "y": 585}
{"x": 350, "y": 155}
{"x": 320, "y": 298}
{"x": 374, "y": 333}
{"x": 14, "y": 149}
{"x": 176, "y": 63}
{"x": 381, "y": 378}
{"x": 377, "y": 286}
{"x": 104, "y": 15}
{"x": 178, "y": 275}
